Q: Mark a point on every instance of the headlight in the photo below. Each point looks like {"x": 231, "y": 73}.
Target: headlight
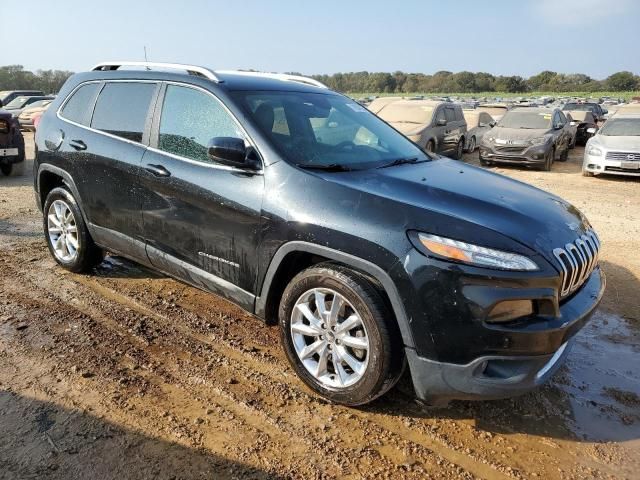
{"x": 475, "y": 254}
{"x": 538, "y": 140}
{"x": 488, "y": 139}
{"x": 593, "y": 150}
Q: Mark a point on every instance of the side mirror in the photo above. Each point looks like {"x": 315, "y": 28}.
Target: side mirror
{"x": 229, "y": 151}
{"x": 605, "y": 111}
{"x": 591, "y": 130}
{"x": 1, "y": 104}
{"x": 441, "y": 122}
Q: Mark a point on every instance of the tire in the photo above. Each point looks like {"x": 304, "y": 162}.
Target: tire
{"x": 472, "y": 145}
{"x": 82, "y": 254}
{"x": 573, "y": 143}
{"x": 326, "y": 369}
{"x": 586, "y": 173}
{"x": 548, "y": 160}
{"x": 457, "y": 155}
{"x": 6, "y": 169}
{"x": 430, "y": 147}
{"x": 565, "y": 155}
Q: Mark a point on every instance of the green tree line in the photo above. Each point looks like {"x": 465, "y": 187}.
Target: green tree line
{"x": 15, "y": 77}
{"x": 470, "y": 82}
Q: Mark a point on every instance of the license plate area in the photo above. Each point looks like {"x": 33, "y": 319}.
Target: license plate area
{"x": 8, "y": 152}
{"x": 630, "y": 165}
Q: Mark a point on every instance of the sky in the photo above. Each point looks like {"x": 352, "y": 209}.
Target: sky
{"x": 502, "y": 37}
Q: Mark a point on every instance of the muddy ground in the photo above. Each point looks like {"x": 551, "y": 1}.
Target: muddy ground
{"x": 127, "y": 374}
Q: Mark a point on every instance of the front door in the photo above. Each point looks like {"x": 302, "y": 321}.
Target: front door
{"x": 201, "y": 219}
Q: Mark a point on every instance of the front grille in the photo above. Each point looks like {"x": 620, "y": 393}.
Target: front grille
{"x": 509, "y": 148}
{"x": 623, "y": 156}
{"x": 577, "y": 260}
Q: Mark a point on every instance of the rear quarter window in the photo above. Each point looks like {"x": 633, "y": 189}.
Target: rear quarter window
{"x": 122, "y": 109}
{"x": 78, "y": 107}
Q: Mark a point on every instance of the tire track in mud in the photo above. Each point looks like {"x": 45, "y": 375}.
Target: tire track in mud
{"x": 437, "y": 444}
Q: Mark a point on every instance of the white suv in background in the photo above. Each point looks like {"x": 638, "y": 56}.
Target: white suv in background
{"x": 615, "y": 149}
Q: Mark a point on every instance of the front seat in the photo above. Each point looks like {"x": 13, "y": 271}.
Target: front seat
{"x": 265, "y": 116}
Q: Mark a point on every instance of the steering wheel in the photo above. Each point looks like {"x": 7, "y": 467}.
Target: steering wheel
{"x": 345, "y": 145}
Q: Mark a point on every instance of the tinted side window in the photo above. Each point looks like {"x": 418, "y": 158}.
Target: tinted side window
{"x": 190, "y": 119}
{"x": 122, "y": 109}
{"x": 440, "y": 115}
{"x": 459, "y": 115}
{"x": 78, "y": 107}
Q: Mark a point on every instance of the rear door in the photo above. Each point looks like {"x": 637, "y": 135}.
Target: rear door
{"x": 201, "y": 219}
{"x": 104, "y": 149}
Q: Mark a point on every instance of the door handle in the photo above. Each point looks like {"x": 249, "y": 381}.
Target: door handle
{"x": 157, "y": 170}
{"x": 78, "y": 145}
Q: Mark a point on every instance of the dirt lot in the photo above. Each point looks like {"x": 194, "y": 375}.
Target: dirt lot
{"x": 128, "y": 374}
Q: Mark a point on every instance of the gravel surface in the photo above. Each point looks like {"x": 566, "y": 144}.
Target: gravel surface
{"x": 131, "y": 375}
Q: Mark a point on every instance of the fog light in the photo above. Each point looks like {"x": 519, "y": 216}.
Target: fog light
{"x": 510, "y": 310}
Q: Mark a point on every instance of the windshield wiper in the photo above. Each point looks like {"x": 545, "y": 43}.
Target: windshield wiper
{"x": 403, "y": 161}
{"x": 332, "y": 167}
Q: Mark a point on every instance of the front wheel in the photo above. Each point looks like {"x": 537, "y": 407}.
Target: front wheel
{"x": 66, "y": 233}
{"x": 457, "y": 155}
{"x": 338, "y": 336}
{"x": 472, "y": 145}
{"x": 430, "y": 147}
{"x": 548, "y": 160}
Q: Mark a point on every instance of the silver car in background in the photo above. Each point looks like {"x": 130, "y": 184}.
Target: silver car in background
{"x": 615, "y": 148}
{"x": 478, "y": 123}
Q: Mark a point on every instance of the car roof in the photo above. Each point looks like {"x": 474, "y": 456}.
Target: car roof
{"x": 533, "y": 110}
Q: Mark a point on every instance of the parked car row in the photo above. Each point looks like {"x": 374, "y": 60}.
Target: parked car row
{"x": 25, "y": 105}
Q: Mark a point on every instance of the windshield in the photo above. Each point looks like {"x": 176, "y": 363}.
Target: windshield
{"x": 407, "y": 113}
{"x": 529, "y": 120}
{"x": 580, "y": 107}
{"x": 325, "y": 130}
{"x": 17, "y": 102}
{"x": 621, "y": 127}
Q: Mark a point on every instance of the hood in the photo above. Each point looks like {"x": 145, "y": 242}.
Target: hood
{"x": 517, "y": 134}
{"x": 530, "y": 216}
{"x": 618, "y": 142}
{"x": 407, "y": 128}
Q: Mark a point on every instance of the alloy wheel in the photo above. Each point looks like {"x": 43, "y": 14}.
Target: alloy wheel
{"x": 62, "y": 231}
{"x": 330, "y": 338}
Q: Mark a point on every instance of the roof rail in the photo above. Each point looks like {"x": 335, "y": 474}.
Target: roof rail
{"x": 190, "y": 69}
{"x": 278, "y": 76}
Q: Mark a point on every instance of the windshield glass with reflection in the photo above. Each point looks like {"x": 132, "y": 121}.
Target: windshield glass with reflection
{"x": 322, "y": 130}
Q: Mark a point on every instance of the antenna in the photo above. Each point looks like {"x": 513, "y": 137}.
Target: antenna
{"x": 145, "y": 55}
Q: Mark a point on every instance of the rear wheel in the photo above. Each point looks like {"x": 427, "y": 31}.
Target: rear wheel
{"x": 337, "y": 335}
{"x": 66, "y": 233}
{"x": 6, "y": 168}
{"x": 565, "y": 155}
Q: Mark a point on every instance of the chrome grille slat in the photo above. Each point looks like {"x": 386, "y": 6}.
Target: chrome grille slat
{"x": 624, "y": 156}
{"x": 577, "y": 261}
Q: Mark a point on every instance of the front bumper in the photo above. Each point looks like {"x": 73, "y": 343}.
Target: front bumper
{"x": 520, "y": 155}
{"x": 600, "y": 164}
{"x": 533, "y": 349}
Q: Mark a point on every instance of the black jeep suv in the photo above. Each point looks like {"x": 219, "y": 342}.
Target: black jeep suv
{"x": 11, "y": 143}
{"x": 302, "y": 207}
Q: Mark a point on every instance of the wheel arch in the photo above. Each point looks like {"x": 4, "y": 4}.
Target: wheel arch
{"x": 295, "y": 256}
{"x": 50, "y": 177}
